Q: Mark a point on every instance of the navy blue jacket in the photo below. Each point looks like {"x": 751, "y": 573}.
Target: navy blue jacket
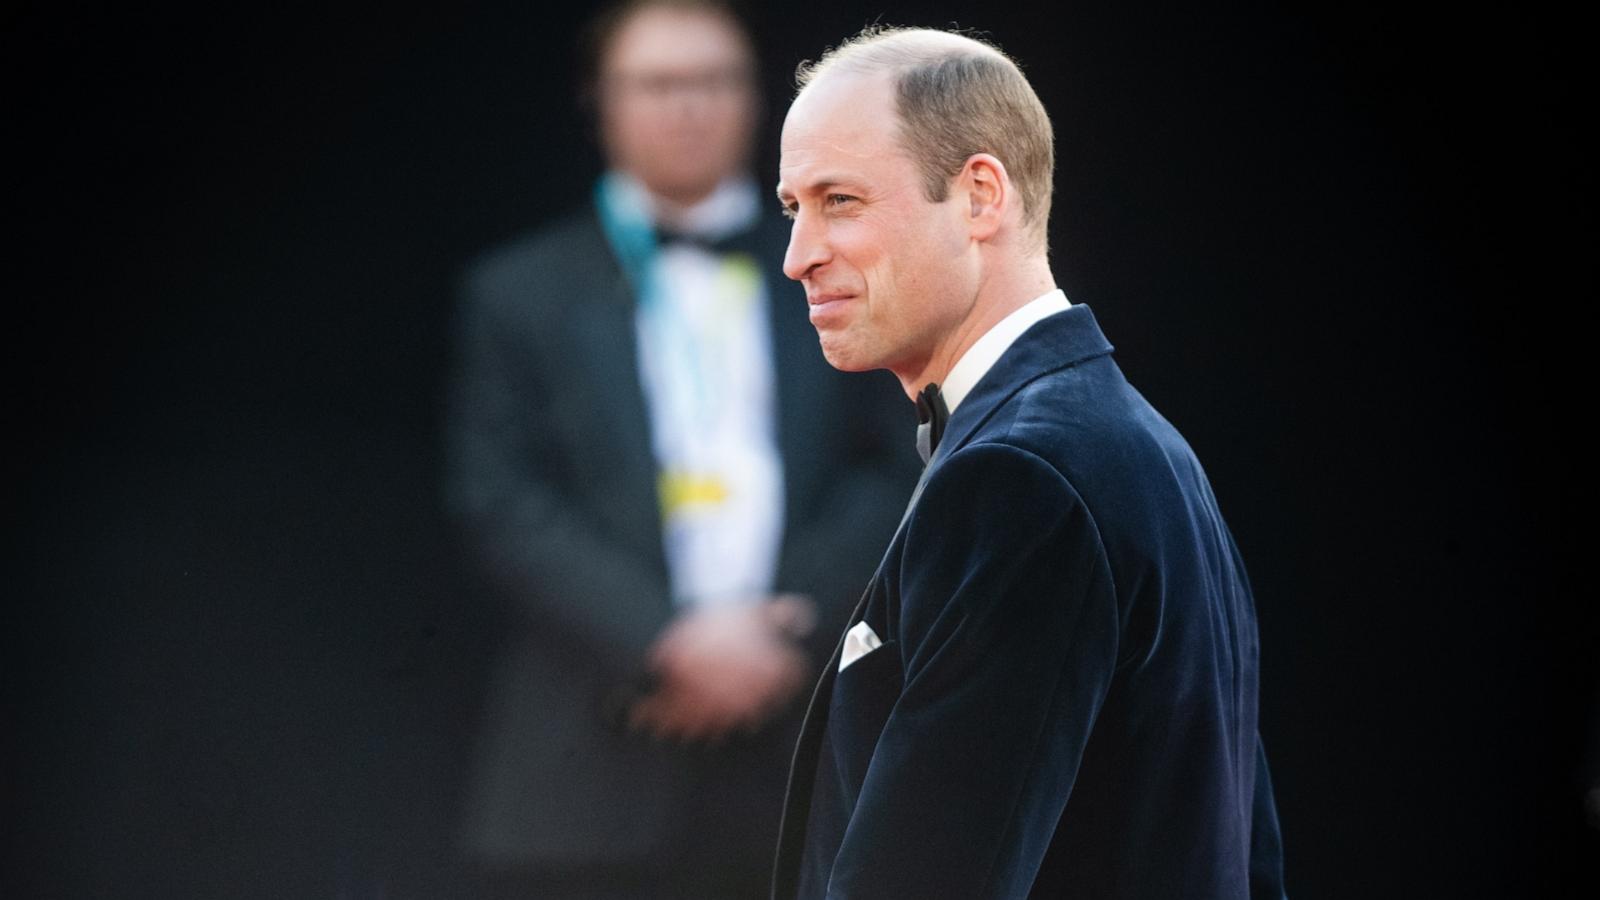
{"x": 1064, "y": 701}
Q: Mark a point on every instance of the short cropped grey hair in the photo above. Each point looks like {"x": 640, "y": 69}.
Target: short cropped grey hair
{"x": 956, "y": 96}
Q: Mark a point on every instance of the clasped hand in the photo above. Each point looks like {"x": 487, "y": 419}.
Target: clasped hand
{"x": 722, "y": 669}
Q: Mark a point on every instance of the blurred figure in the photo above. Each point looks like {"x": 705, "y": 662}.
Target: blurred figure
{"x": 675, "y": 494}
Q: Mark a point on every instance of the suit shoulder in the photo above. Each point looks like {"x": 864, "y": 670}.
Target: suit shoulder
{"x": 1116, "y": 450}
{"x": 1090, "y": 408}
{"x": 542, "y": 261}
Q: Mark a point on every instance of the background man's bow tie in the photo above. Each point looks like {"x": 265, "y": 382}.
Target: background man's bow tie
{"x": 726, "y": 243}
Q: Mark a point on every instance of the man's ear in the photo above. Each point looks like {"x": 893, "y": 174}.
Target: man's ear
{"x": 989, "y": 195}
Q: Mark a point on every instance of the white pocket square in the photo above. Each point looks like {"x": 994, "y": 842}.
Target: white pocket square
{"x": 858, "y": 642}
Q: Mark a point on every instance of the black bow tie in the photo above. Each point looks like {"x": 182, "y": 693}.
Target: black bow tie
{"x": 726, "y": 243}
{"x": 931, "y": 417}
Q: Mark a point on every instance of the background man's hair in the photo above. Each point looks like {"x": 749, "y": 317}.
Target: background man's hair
{"x": 598, "y": 33}
{"x": 956, "y": 96}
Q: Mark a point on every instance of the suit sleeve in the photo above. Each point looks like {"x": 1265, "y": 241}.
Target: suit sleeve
{"x": 1008, "y": 626}
{"x": 559, "y": 570}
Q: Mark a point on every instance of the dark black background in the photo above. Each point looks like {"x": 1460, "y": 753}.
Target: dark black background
{"x": 1345, "y": 250}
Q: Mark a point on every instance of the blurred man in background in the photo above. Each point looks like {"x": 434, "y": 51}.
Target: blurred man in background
{"x": 674, "y": 493}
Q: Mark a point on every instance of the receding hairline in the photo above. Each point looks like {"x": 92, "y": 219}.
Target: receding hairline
{"x": 892, "y": 50}
{"x": 888, "y": 52}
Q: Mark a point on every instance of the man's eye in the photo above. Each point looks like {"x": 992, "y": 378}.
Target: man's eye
{"x": 789, "y": 210}
{"x": 839, "y": 199}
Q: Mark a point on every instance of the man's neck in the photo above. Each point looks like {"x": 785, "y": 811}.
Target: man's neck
{"x": 997, "y": 298}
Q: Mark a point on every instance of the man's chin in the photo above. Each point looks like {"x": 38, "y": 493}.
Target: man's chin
{"x": 842, "y": 356}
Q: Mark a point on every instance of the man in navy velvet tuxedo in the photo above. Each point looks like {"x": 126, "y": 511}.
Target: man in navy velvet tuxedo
{"x": 1049, "y": 688}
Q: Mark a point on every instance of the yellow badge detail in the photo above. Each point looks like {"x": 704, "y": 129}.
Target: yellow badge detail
{"x": 680, "y": 490}
{"x": 738, "y": 280}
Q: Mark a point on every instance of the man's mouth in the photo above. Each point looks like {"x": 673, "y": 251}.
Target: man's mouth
{"x": 827, "y": 306}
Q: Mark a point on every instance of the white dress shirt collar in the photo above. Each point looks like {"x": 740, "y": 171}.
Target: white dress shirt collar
{"x": 981, "y": 356}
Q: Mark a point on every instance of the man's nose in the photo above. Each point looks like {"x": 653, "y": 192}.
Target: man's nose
{"x": 808, "y": 247}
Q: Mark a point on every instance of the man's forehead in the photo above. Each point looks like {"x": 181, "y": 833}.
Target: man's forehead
{"x": 847, "y": 114}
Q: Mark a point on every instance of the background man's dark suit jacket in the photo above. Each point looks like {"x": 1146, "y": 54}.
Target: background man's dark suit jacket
{"x": 552, "y": 474}
{"x": 1064, "y": 704}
